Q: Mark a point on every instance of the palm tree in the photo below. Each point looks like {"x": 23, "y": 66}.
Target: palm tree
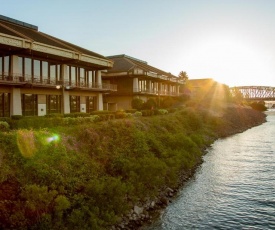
{"x": 183, "y": 76}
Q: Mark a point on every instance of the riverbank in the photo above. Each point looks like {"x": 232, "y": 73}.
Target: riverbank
{"x": 232, "y": 189}
{"x": 237, "y": 119}
{"x": 115, "y": 174}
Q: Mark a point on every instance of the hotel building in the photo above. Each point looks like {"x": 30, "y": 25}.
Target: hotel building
{"x": 136, "y": 79}
{"x": 41, "y": 74}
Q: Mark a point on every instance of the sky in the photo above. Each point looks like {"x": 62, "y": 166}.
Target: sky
{"x": 230, "y": 41}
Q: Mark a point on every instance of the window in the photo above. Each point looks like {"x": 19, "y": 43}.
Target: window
{"x": 36, "y": 69}
{"x": 29, "y": 104}
{"x": 82, "y": 77}
{"x": 53, "y": 104}
{"x": 91, "y": 78}
{"x": 28, "y": 68}
{"x": 45, "y": 70}
{"x": 74, "y": 104}
{"x": 20, "y": 66}
{"x": 4, "y": 104}
{"x": 142, "y": 85}
{"x": 6, "y": 65}
{"x": 90, "y": 104}
{"x": 73, "y": 75}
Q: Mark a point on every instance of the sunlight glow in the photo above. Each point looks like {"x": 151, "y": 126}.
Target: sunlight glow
{"x": 228, "y": 60}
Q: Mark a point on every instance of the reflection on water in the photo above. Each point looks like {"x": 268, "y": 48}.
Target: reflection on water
{"x": 233, "y": 189}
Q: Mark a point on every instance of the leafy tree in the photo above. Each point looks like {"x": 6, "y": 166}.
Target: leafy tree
{"x": 149, "y": 104}
{"x": 137, "y": 103}
{"x": 260, "y": 106}
{"x": 183, "y": 75}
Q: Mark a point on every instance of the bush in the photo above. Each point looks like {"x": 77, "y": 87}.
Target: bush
{"x": 137, "y": 103}
{"x": 4, "y": 126}
{"x": 162, "y": 111}
{"x": 53, "y": 115}
{"x": 120, "y": 114}
{"x": 16, "y": 117}
{"x": 138, "y": 114}
{"x": 79, "y": 114}
{"x": 130, "y": 110}
{"x": 147, "y": 112}
{"x": 149, "y": 104}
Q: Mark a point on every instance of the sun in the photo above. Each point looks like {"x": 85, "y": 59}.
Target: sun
{"x": 228, "y": 60}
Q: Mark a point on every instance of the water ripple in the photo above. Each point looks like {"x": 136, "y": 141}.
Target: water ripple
{"x": 233, "y": 189}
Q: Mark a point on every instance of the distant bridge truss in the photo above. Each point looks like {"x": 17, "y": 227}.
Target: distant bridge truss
{"x": 264, "y": 93}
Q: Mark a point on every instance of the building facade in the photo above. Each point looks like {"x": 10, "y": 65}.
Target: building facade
{"x": 41, "y": 74}
{"x": 136, "y": 79}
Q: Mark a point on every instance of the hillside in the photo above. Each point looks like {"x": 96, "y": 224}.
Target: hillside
{"x": 103, "y": 175}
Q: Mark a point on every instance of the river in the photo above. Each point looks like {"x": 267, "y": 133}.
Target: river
{"x": 234, "y": 188}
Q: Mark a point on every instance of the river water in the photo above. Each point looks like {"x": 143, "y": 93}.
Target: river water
{"x": 233, "y": 189}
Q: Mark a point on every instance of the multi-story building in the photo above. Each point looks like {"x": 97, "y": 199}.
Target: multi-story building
{"x": 41, "y": 74}
{"x": 135, "y": 78}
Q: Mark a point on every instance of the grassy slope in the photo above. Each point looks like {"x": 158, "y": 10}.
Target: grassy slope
{"x": 93, "y": 174}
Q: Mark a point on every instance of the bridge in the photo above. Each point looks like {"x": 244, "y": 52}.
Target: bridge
{"x": 263, "y": 93}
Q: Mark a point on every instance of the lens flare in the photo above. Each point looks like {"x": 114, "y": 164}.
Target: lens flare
{"x": 54, "y": 138}
{"x": 26, "y": 143}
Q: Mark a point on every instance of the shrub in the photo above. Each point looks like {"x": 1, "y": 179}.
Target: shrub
{"x": 120, "y": 114}
{"x": 53, "y": 115}
{"x": 7, "y": 119}
{"x": 138, "y": 114}
{"x": 100, "y": 112}
{"x": 4, "y": 126}
{"x": 78, "y": 114}
{"x": 149, "y": 104}
{"x": 137, "y": 103}
{"x": 147, "y": 112}
{"x": 130, "y": 110}
{"x": 16, "y": 117}
{"x": 162, "y": 111}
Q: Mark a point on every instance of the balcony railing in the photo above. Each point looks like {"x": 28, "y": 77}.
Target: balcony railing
{"x": 18, "y": 79}
{"x": 156, "y": 92}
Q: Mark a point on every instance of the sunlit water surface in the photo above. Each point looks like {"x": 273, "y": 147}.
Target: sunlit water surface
{"x": 233, "y": 189}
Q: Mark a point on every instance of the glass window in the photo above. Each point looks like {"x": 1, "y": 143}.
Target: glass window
{"x": 73, "y": 74}
{"x": 4, "y": 104}
{"x": 90, "y": 104}
{"x": 75, "y": 104}
{"x": 36, "y": 69}
{"x": 67, "y": 74}
{"x": 6, "y": 64}
{"x": 53, "y": 104}
{"x": 45, "y": 67}
{"x": 20, "y": 66}
{"x": 28, "y": 68}
{"x": 29, "y": 104}
{"x": 53, "y": 72}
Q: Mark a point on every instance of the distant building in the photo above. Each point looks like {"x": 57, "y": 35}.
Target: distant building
{"x": 136, "y": 79}
{"x": 41, "y": 74}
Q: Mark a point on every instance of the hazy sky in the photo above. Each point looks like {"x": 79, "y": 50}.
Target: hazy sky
{"x": 231, "y": 41}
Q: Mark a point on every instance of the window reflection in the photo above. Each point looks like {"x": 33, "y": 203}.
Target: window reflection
{"x": 53, "y": 104}
{"x": 90, "y": 104}
{"x": 29, "y": 104}
{"x": 74, "y": 104}
{"x": 4, "y": 104}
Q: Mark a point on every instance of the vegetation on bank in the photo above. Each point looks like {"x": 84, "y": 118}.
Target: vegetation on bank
{"x": 87, "y": 176}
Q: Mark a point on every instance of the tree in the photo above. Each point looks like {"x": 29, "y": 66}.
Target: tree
{"x": 183, "y": 76}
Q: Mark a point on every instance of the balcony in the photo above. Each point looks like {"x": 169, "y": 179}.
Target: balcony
{"x": 37, "y": 81}
{"x": 156, "y": 92}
